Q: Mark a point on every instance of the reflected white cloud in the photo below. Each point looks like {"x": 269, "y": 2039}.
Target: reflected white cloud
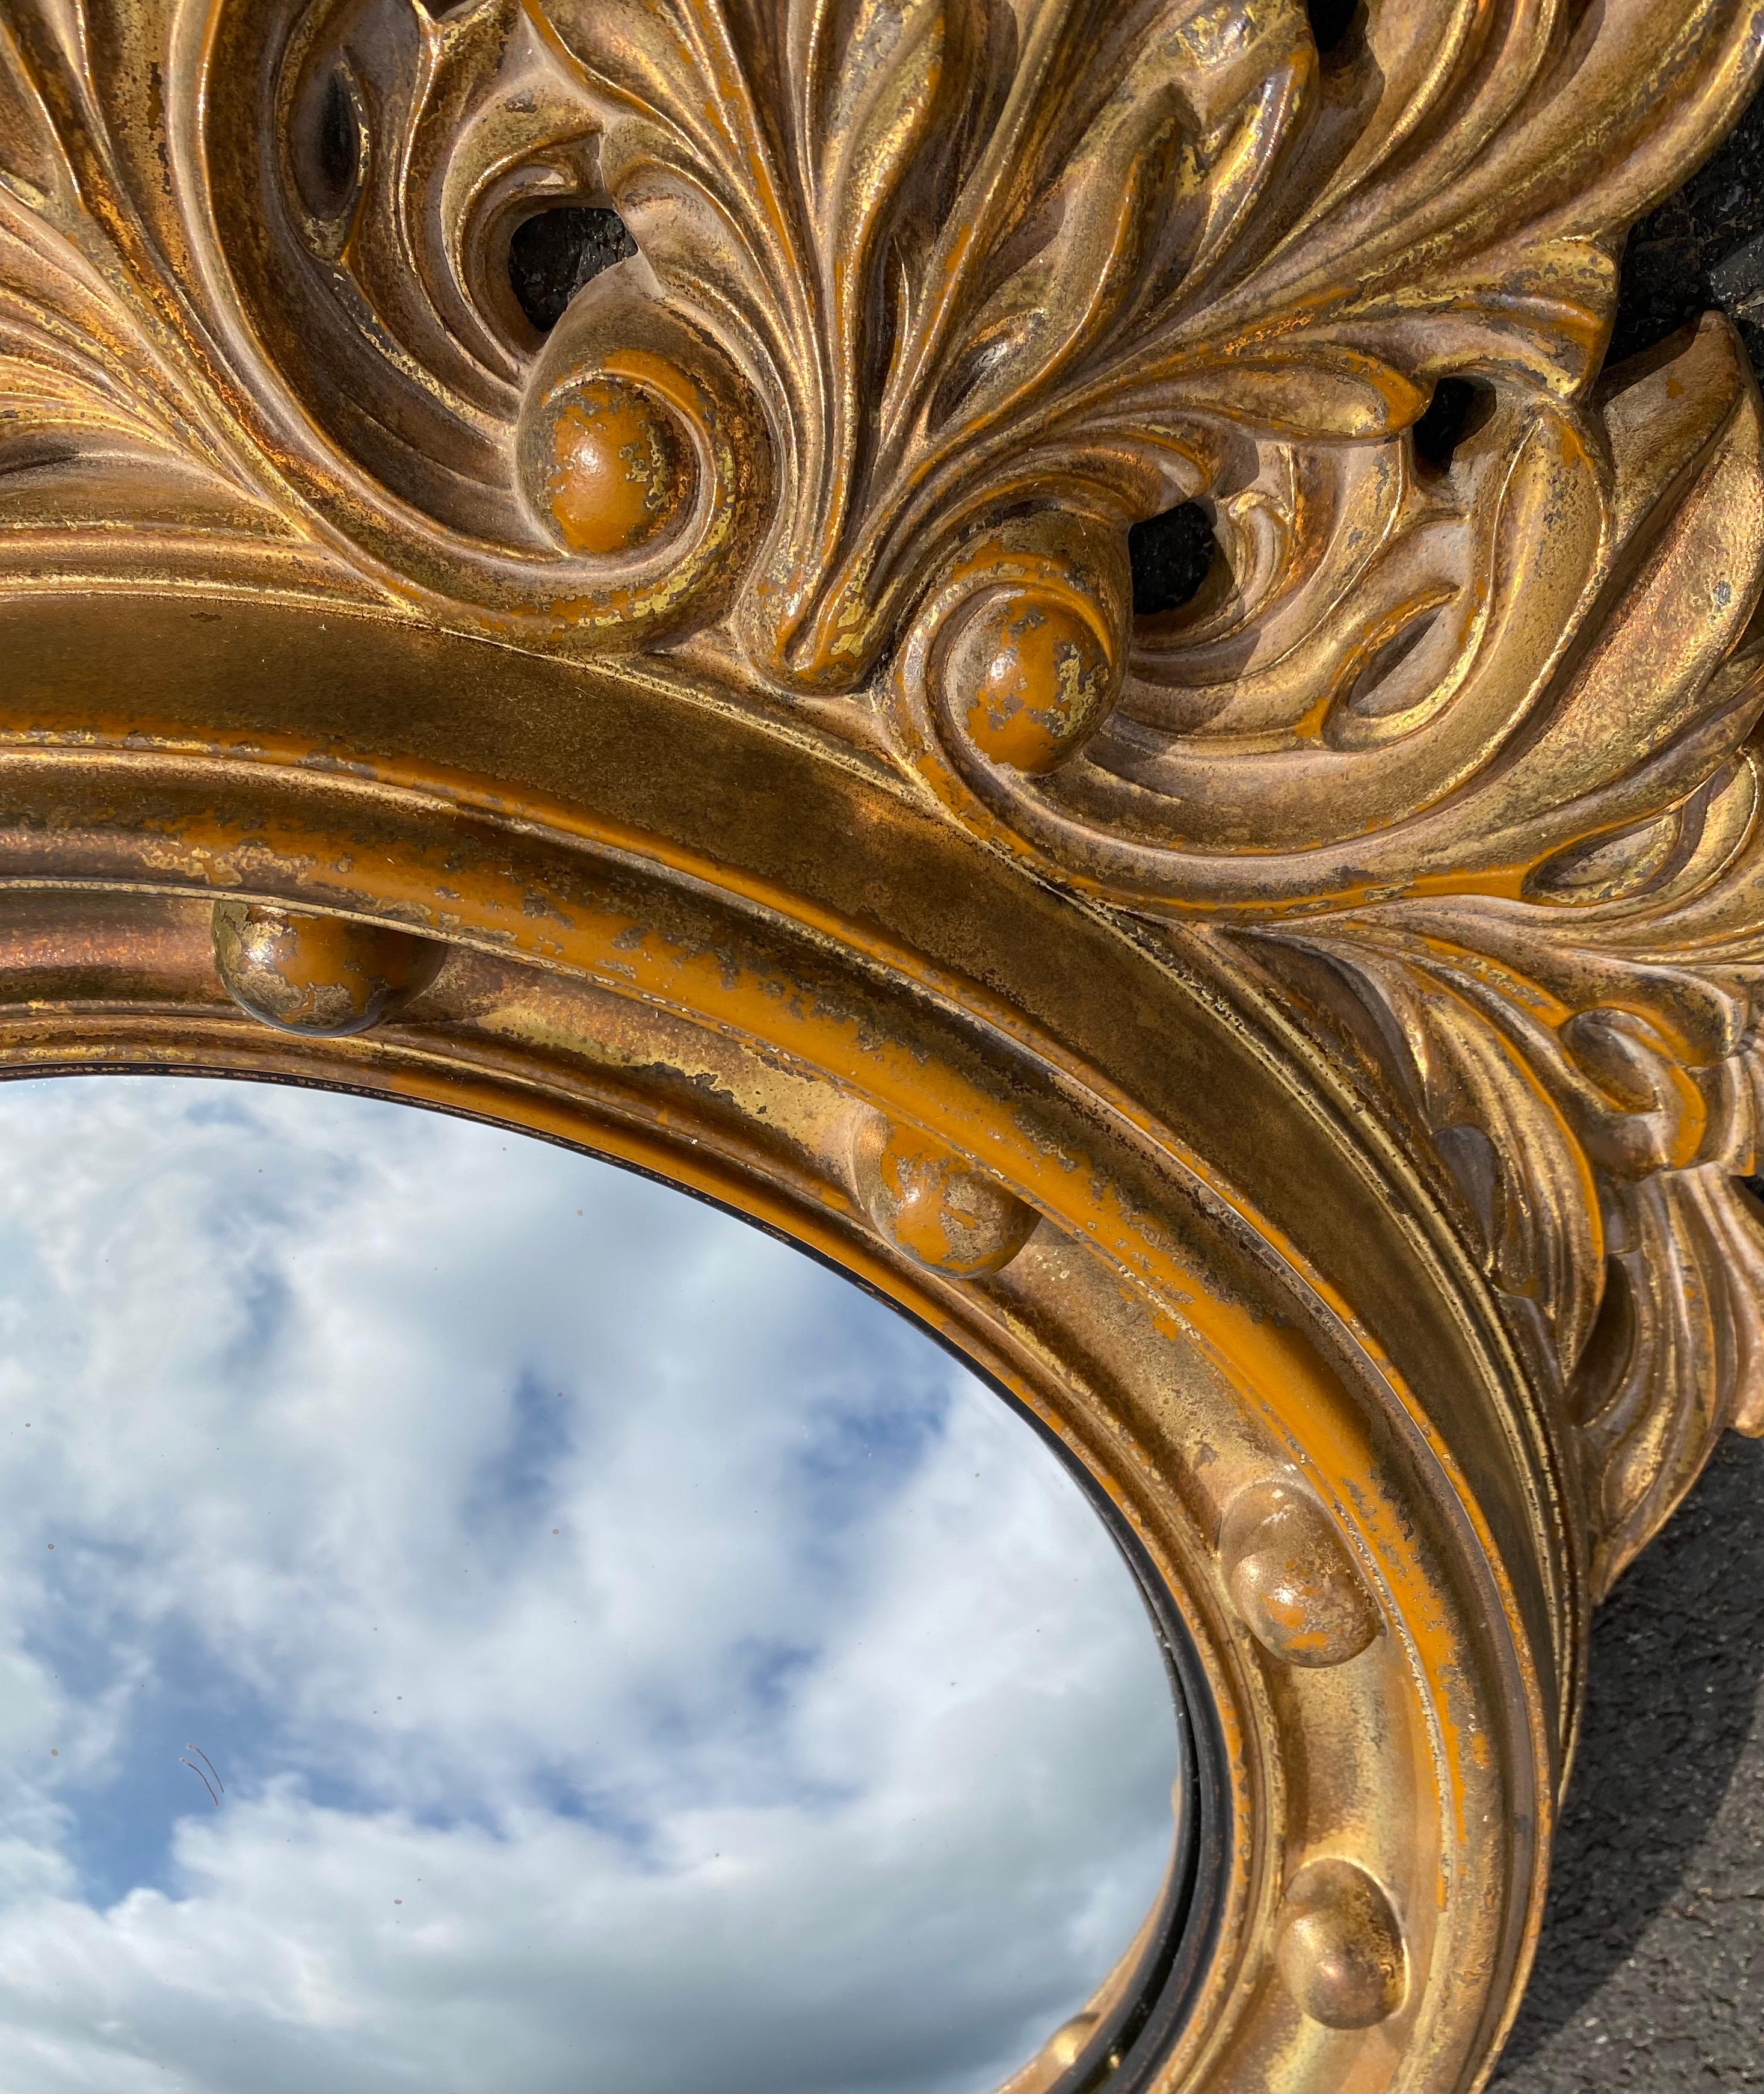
{"x": 637, "y": 1661}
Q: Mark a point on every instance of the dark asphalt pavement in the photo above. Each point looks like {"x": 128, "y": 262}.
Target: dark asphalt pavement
{"x": 1650, "y": 1972}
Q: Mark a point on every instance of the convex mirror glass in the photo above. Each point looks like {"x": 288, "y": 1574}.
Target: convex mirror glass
{"x": 474, "y": 1618}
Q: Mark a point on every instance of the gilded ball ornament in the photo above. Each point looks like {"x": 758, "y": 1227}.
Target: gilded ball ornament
{"x": 1339, "y": 1949}
{"x": 1030, "y": 676}
{"x": 326, "y": 976}
{"x": 934, "y": 1206}
{"x": 616, "y": 473}
{"x": 1291, "y": 1580}
{"x": 1065, "y": 2046}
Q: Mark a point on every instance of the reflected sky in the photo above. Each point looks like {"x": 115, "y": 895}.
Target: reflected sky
{"x": 637, "y": 1661}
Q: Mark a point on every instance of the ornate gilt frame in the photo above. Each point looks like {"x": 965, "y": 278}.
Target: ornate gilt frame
{"x": 1302, "y": 1045}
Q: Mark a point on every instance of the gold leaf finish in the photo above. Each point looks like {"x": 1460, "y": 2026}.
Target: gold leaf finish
{"x": 1291, "y": 1580}
{"x": 1302, "y": 1044}
{"x": 935, "y": 1206}
{"x": 1340, "y": 1949}
{"x": 317, "y": 975}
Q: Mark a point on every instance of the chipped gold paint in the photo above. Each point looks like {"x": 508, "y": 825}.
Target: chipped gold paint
{"x": 1126, "y": 1000}
{"x": 618, "y": 477}
{"x": 1279, "y": 1374}
{"x": 1034, "y": 679}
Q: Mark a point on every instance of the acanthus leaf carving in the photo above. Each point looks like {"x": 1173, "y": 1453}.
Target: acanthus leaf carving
{"x": 105, "y": 425}
{"x": 933, "y": 300}
{"x": 1585, "y": 1081}
{"x": 934, "y": 253}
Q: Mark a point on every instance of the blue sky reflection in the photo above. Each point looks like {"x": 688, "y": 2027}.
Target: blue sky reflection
{"x": 638, "y": 1662}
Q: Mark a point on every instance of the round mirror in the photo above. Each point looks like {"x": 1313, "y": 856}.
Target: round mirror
{"x": 476, "y": 1619}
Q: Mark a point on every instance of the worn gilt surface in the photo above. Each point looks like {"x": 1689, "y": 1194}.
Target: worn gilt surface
{"x": 1452, "y": 757}
{"x": 933, "y": 300}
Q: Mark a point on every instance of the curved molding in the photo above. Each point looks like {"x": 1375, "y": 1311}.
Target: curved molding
{"x": 1302, "y": 1044}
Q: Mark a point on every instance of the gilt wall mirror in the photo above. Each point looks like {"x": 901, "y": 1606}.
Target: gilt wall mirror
{"x": 1027, "y": 642}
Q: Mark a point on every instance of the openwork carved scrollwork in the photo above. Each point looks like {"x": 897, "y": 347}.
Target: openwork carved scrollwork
{"x": 1444, "y": 785}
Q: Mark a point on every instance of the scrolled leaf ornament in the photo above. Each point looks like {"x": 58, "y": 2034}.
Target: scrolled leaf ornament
{"x": 635, "y": 453}
{"x": 1303, "y": 1041}
{"x": 1016, "y": 661}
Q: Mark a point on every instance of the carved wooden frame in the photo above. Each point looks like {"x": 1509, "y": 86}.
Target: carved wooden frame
{"x": 1301, "y": 1045}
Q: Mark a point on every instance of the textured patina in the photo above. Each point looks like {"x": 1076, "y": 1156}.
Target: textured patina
{"x": 1302, "y": 1042}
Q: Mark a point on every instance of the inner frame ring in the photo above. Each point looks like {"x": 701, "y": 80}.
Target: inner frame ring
{"x": 721, "y": 988}
{"x": 171, "y": 1014}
